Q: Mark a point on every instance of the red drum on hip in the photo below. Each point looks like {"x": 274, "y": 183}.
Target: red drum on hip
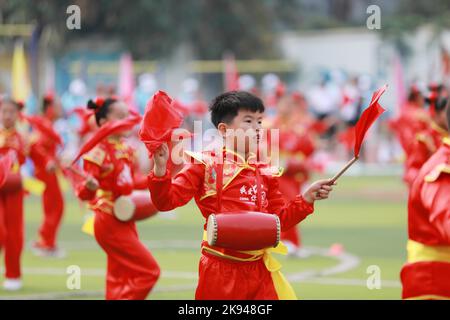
{"x": 134, "y": 207}
{"x": 243, "y": 230}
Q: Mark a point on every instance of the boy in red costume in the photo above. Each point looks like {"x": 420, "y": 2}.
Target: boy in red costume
{"x": 226, "y": 273}
{"x": 52, "y": 198}
{"x": 132, "y": 271}
{"x": 426, "y": 275}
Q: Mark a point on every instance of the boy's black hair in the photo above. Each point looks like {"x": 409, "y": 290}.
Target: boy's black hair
{"x": 225, "y": 108}
{"x": 101, "y": 108}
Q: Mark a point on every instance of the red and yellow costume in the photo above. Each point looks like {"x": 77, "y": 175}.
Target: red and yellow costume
{"x": 132, "y": 271}
{"x": 424, "y": 144}
{"x": 426, "y": 275}
{"x": 11, "y": 205}
{"x": 296, "y": 146}
{"x": 52, "y": 197}
{"x": 412, "y": 120}
{"x": 225, "y": 273}
{"x": 11, "y": 199}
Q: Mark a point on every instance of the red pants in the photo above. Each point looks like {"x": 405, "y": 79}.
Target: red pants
{"x": 11, "y": 231}
{"x": 132, "y": 271}
{"x": 426, "y": 280}
{"x": 53, "y": 207}
{"x": 290, "y": 188}
{"x": 222, "y": 279}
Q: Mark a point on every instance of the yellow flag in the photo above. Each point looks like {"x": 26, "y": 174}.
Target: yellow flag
{"x": 20, "y": 80}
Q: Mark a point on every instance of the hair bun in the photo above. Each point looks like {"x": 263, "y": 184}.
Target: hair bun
{"x": 95, "y": 104}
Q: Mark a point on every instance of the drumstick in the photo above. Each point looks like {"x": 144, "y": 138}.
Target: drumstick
{"x": 341, "y": 172}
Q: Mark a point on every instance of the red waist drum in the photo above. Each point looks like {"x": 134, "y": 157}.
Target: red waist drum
{"x": 12, "y": 183}
{"x": 134, "y": 207}
{"x": 243, "y": 230}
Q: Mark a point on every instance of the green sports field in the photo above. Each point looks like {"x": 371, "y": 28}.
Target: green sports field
{"x": 366, "y": 215}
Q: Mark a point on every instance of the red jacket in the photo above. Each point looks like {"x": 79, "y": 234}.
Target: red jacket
{"x": 427, "y": 273}
{"x": 411, "y": 121}
{"x": 198, "y": 181}
{"x": 424, "y": 144}
{"x": 111, "y": 163}
{"x": 12, "y": 140}
{"x": 46, "y": 146}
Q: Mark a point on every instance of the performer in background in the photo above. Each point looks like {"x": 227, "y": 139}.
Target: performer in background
{"x": 52, "y": 197}
{"x": 427, "y": 141}
{"x": 12, "y": 192}
{"x": 226, "y": 273}
{"x": 426, "y": 275}
{"x": 132, "y": 271}
{"x": 296, "y": 147}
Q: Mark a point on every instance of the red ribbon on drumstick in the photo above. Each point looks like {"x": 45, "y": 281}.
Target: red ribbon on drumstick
{"x": 161, "y": 118}
{"x": 366, "y": 120}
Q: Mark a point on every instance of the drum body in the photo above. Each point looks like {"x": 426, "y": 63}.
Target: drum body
{"x": 134, "y": 207}
{"x": 12, "y": 183}
{"x": 243, "y": 230}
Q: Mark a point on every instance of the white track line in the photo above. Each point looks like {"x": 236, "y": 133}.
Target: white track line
{"x": 346, "y": 262}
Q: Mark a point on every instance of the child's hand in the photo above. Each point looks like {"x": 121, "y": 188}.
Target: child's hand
{"x": 160, "y": 158}
{"x": 319, "y": 190}
{"x": 92, "y": 184}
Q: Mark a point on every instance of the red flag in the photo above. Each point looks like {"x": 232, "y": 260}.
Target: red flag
{"x": 5, "y": 165}
{"x": 106, "y": 130}
{"x": 46, "y": 129}
{"x": 160, "y": 119}
{"x": 231, "y": 75}
{"x": 367, "y": 118}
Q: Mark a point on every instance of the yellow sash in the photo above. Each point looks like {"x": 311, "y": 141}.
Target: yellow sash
{"x": 418, "y": 252}
{"x": 282, "y": 287}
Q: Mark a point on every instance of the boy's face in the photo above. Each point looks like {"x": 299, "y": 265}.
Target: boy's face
{"x": 242, "y": 132}
{"x": 8, "y": 115}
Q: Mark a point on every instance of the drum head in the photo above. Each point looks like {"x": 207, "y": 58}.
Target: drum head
{"x": 211, "y": 230}
{"x": 124, "y": 209}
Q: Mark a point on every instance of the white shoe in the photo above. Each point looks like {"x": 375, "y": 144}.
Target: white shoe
{"x": 12, "y": 284}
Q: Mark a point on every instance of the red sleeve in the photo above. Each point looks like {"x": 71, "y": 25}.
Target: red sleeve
{"x": 38, "y": 155}
{"x": 140, "y": 181}
{"x": 290, "y": 213}
{"x": 436, "y": 199}
{"x": 82, "y": 192}
{"x": 168, "y": 194}
{"x": 418, "y": 156}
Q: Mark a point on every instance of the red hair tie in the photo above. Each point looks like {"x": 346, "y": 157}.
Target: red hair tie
{"x": 49, "y": 97}
{"x": 99, "y": 102}
{"x": 20, "y": 104}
